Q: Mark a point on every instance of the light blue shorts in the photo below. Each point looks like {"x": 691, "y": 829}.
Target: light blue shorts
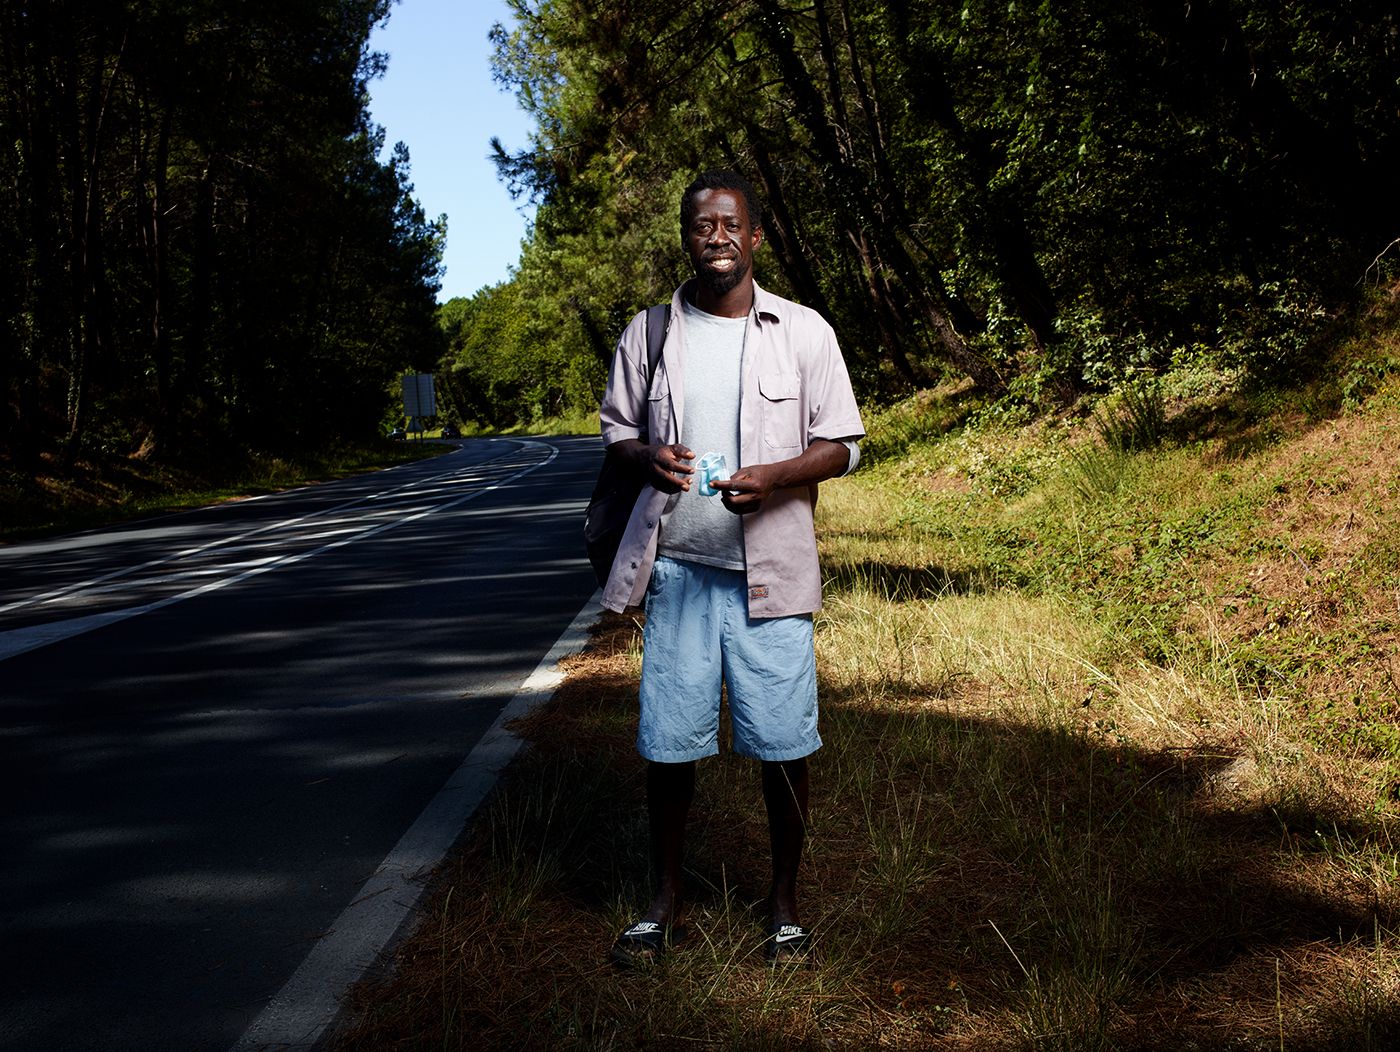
{"x": 698, "y": 634}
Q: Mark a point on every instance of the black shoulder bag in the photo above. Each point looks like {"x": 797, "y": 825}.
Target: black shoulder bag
{"x": 620, "y": 481}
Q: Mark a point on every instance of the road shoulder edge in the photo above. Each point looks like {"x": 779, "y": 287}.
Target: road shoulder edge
{"x": 300, "y": 1014}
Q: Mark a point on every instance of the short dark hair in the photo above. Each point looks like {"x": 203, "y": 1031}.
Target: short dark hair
{"x": 721, "y": 179}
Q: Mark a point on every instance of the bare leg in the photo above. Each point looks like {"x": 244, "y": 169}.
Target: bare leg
{"x": 785, "y": 791}
{"x": 670, "y": 787}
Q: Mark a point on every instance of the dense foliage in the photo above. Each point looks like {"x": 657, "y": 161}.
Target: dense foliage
{"x": 202, "y": 250}
{"x": 1042, "y": 197}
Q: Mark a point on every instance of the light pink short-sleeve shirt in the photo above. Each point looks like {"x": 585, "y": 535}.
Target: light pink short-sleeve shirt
{"x": 795, "y": 389}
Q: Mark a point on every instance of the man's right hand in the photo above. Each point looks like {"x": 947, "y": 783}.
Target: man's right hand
{"x": 665, "y": 465}
{"x": 669, "y": 472}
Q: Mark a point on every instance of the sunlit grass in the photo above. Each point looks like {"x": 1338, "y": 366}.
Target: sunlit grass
{"x": 575, "y": 420}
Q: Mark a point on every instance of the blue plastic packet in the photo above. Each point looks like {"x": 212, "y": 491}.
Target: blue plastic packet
{"x": 710, "y": 467}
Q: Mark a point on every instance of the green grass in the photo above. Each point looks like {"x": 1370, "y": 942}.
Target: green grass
{"x": 580, "y": 420}
{"x": 1112, "y": 761}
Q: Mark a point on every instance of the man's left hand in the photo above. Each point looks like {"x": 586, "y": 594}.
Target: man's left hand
{"x": 747, "y": 488}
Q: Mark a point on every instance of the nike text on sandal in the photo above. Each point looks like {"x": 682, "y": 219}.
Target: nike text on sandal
{"x": 643, "y": 943}
{"x": 789, "y": 944}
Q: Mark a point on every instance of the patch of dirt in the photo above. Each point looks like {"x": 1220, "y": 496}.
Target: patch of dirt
{"x": 945, "y": 483}
{"x": 1317, "y": 599}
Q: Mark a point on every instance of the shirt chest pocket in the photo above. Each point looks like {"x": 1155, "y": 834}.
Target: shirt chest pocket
{"x": 782, "y": 411}
{"x": 659, "y": 409}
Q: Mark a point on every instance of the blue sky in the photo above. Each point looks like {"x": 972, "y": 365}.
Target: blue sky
{"x": 439, "y": 98}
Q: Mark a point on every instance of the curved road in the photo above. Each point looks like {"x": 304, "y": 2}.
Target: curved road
{"x": 214, "y": 725}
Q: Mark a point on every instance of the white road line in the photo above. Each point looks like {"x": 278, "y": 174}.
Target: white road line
{"x": 286, "y": 523}
{"x": 254, "y": 545}
{"x": 22, "y": 640}
{"x": 302, "y": 1011}
{"x": 141, "y": 582}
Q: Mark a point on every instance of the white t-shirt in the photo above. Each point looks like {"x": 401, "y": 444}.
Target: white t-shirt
{"x": 696, "y": 528}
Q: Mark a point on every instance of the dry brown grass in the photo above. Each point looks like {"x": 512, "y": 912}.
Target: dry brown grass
{"x": 982, "y": 876}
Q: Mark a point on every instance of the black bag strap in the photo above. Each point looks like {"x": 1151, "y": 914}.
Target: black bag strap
{"x": 656, "y": 336}
{"x": 658, "y": 321}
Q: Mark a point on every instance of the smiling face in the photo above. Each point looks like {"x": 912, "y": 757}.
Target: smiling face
{"x": 720, "y": 240}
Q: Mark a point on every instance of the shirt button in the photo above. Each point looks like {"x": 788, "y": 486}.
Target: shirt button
{"x": 634, "y": 566}
{"x": 649, "y": 525}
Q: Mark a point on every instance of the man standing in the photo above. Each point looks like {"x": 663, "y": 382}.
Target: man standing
{"x": 731, "y": 580}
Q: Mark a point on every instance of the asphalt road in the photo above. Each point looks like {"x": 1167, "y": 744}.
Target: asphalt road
{"x": 214, "y": 725}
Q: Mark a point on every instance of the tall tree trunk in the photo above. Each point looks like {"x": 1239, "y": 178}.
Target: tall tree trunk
{"x": 855, "y": 198}
{"x": 26, "y": 63}
{"x": 877, "y": 289}
{"x": 91, "y": 332}
{"x": 782, "y": 230}
{"x": 1018, "y": 271}
{"x": 199, "y": 334}
{"x": 79, "y": 203}
{"x": 164, "y": 440}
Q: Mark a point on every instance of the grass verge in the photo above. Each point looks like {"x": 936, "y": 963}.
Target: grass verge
{"x": 1112, "y": 763}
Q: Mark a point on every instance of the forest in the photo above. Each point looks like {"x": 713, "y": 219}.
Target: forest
{"x": 204, "y": 255}
{"x": 1048, "y": 199}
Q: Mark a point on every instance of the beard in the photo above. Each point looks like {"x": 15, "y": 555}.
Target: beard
{"x": 719, "y": 282}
